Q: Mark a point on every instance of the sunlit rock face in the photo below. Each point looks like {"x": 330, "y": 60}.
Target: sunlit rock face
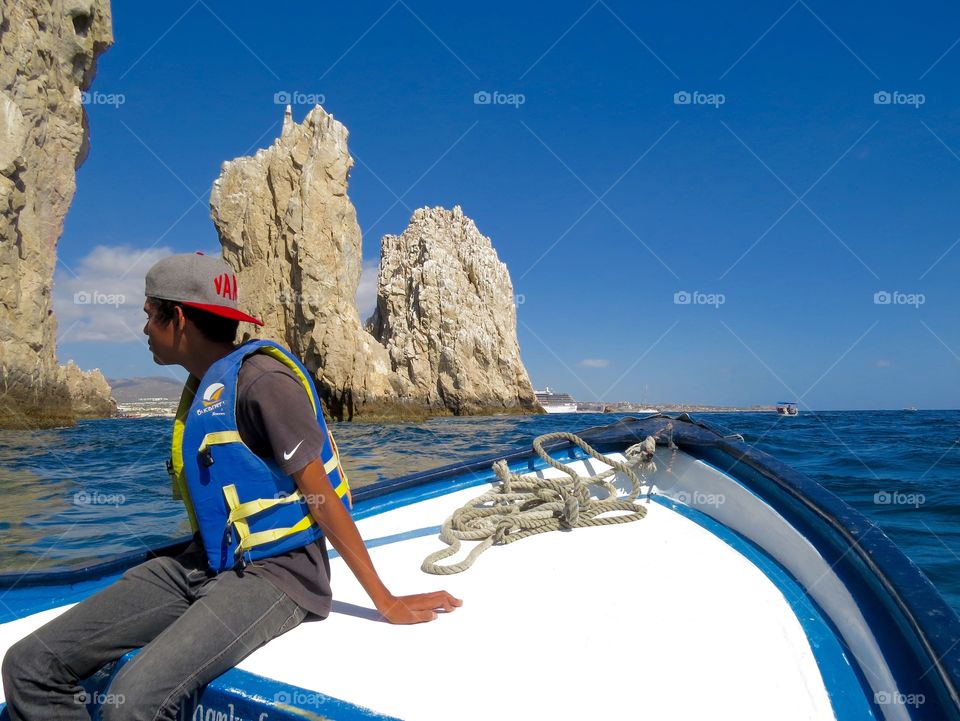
{"x": 49, "y": 52}
{"x": 446, "y": 314}
{"x": 443, "y": 337}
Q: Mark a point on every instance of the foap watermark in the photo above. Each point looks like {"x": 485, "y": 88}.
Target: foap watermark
{"x": 98, "y": 698}
{"x": 495, "y": 97}
{"x": 886, "y": 297}
{"x": 312, "y": 499}
{"x": 296, "y": 297}
{"x": 699, "y": 498}
{"x": 296, "y": 697}
{"x": 296, "y": 97}
{"x": 896, "y": 498}
{"x": 85, "y": 297}
{"x": 98, "y": 98}
{"x": 685, "y": 297}
{"x": 895, "y": 97}
{"x": 891, "y": 698}
{"x": 519, "y": 299}
{"x": 695, "y": 97}
{"x": 96, "y": 498}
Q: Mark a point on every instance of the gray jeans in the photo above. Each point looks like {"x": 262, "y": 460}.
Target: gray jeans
{"x": 192, "y": 626}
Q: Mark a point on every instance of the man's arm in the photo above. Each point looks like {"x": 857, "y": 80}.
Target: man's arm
{"x": 338, "y": 526}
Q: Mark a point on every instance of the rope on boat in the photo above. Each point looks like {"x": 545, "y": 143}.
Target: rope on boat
{"x": 525, "y": 505}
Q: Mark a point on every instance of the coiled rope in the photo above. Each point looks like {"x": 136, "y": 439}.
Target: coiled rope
{"x": 525, "y": 505}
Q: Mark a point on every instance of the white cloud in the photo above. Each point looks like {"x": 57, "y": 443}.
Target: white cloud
{"x": 594, "y": 363}
{"x": 102, "y": 298}
{"x": 367, "y": 290}
{"x": 882, "y": 363}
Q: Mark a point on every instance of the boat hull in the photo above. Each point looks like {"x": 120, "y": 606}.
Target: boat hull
{"x": 874, "y": 631}
{"x": 560, "y": 408}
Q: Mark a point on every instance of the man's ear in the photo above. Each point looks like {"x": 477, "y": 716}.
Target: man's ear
{"x": 179, "y": 319}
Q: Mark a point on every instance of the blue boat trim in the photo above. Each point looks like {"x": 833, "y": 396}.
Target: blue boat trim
{"x": 236, "y": 695}
{"x": 917, "y": 630}
{"x": 394, "y": 538}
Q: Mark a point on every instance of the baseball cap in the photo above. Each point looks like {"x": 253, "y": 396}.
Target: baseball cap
{"x": 198, "y": 280}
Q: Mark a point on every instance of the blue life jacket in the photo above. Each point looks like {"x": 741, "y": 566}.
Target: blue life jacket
{"x": 245, "y": 507}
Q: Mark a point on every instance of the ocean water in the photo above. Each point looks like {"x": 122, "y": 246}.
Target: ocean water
{"x": 78, "y": 494}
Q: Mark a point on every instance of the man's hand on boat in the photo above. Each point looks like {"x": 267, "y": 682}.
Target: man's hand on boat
{"x": 337, "y": 525}
{"x": 417, "y": 608}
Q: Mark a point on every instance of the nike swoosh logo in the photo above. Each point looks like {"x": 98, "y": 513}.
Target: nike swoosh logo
{"x": 288, "y": 456}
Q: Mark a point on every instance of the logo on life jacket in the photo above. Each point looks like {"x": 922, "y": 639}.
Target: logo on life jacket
{"x": 211, "y": 394}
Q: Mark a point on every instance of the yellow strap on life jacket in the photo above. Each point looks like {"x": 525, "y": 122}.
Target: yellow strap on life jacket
{"x": 343, "y": 491}
{"x": 260, "y": 537}
{"x": 343, "y": 488}
{"x": 240, "y": 511}
{"x": 177, "y": 476}
{"x": 233, "y": 501}
{"x": 218, "y": 437}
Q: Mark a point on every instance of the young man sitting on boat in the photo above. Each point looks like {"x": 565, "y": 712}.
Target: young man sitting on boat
{"x": 261, "y": 479}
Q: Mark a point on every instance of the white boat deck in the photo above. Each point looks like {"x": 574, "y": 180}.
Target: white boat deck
{"x": 655, "y": 619}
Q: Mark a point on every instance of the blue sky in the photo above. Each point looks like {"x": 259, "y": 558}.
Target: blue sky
{"x": 791, "y": 232}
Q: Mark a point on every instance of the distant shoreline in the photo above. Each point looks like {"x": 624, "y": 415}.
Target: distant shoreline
{"x": 628, "y": 407}
{"x": 166, "y": 408}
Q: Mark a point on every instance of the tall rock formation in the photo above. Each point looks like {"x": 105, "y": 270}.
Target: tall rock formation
{"x": 290, "y": 231}
{"x": 288, "y": 228}
{"x": 446, "y": 314}
{"x": 48, "y": 53}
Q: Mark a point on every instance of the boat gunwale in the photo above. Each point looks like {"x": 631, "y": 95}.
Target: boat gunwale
{"x": 931, "y": 619}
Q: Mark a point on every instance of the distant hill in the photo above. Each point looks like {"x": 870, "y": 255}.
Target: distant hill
{"x": 128, "y": 390}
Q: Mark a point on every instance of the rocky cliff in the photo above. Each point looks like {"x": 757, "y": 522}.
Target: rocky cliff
{"x": 290, "y": 231}
{"x": 48, "y": 53}
{"x": 288, "y": 228}
{"x": 446, "y": 315}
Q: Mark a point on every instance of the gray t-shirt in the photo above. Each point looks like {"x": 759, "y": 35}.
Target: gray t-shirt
{"x": 276, "y": 419}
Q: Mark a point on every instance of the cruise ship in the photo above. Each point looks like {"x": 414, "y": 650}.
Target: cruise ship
{"x": 556, "y": 402}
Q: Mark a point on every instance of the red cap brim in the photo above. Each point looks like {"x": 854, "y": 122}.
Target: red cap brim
{"x": 225, "y": 312}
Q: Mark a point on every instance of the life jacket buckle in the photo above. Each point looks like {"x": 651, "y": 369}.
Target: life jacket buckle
{"x": 206, "y": 457}
{"x": 170, "y": 466}
{"x": 241, "y": 563}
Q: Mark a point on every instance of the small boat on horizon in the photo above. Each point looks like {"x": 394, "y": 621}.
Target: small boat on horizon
{"x": 787, "y": 408}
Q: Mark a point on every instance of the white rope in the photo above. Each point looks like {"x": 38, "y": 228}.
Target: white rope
{"x": 525, "y": 505}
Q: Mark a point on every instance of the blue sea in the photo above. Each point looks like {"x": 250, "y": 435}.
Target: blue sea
{"x": 78, "y": 494}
